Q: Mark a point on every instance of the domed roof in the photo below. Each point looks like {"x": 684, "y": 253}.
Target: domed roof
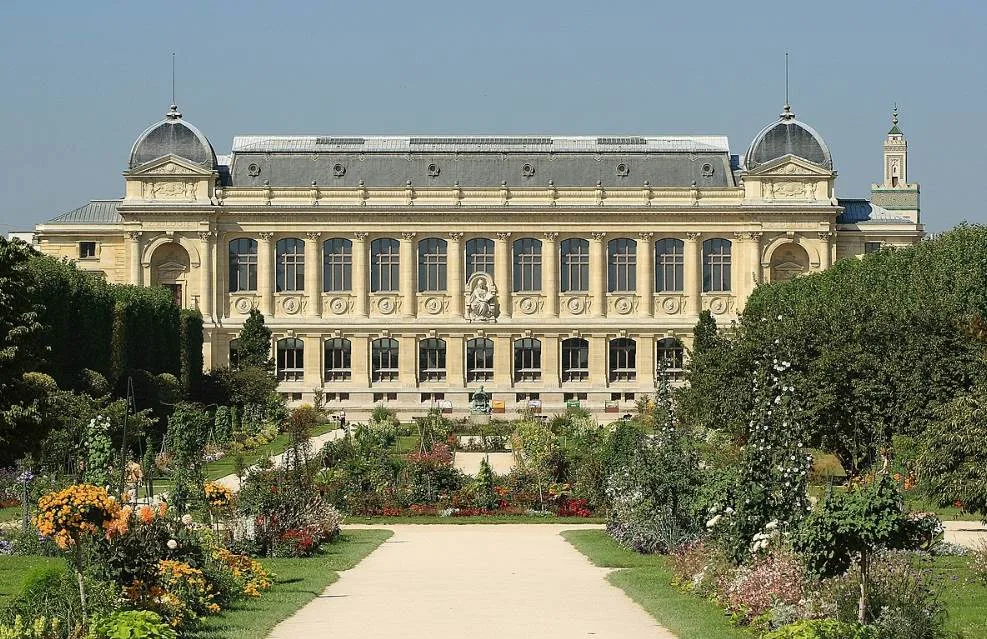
{"x": 788, "y": 136}
{"x": 172, "y": 136}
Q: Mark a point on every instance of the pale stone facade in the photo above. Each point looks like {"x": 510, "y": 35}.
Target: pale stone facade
{"x": 407, "y": 292}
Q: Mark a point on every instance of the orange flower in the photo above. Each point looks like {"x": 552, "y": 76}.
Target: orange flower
{"x": 163, "y": 509}
{"x": 146, "y": 514}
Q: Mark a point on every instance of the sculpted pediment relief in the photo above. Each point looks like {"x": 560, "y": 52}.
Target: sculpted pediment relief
{"x": 790, "y": 166}
{"x": 170, "y": 165}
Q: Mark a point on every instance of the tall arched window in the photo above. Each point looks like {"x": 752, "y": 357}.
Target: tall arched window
{"x": 337, "y": 265}
{"x": 384, "y": 360}
{"x": 432, "y": 264}
{"x": 338, "y": 361}
{"x": 621, "y": 265}
{"x": 290, "y": 253}
{"x": 669, "y": 265}
{"x": 431, "y": 360}
{"x": 385, "y": 265}
{"x": 575, "y": 359}
{"x": 623, "y": 359}
{"x": 479, "y": 256}
{"x": 243, "y": 265}
{"x": 574, "y": 256}
{"x": 527, "y": 264}
{"x": 479, "y": 359}
{"x": 291, "y": 359}
{"x": 670, "y": 356}
{"x": 716, "y": 265}
{"x": 234, "y": 353}
{"x": 527, "y": 360}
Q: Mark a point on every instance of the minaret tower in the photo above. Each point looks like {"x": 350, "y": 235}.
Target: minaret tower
{"x": 895, "y": 193}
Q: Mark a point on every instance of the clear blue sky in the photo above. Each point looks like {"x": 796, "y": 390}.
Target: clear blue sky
{"x": 80, "y": 80}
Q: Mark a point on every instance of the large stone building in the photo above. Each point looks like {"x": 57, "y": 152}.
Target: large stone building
{"x": 411, "y": 270}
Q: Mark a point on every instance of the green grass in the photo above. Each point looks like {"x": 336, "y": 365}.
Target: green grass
{"x": 647, "y": 579}
{"x": 224, "y": 466}
{"x": 482, "y": 519}
{"x": 964, "y": 597}
{"x": 296, "y": 583}
{"x": 405, "y": 444}
{"x": 11, "y": 513}
{"x": 13, "y": 570}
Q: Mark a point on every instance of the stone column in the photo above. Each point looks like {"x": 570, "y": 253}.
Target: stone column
{"x": 409, "y": 302}
{"x": 313, "y": 274}
{"x": 313, "y": 360}
{"x": 408, "y": 361}
{"x": 692, "y": 280}
{"x": 360, "y": 360}
{"x": 265, "y": 272}
{"x": 598, "y": 360}
{"x": 360, "y": 274}
{"x": 206, "y": 290}
{"x": 134, "y": 244}
{"x": 455, "y": 369}
{"x": 825, "y": 250}
{"x": 754, "y": 259}
{"x": 645, "y": 274}
{"x": 502, "y": 272}
{"x": 646, "y": 362}
{"x": 550, "y": 362}
{"x": 454, "y": 267}
{"x": 550, "y": 274}
{"x": 503, "y": 357}
{"x": 598, "y": 275}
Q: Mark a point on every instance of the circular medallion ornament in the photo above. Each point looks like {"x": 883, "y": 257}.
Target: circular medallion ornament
{"x": 718, "y": 306}
{"x": 291, "y": 305}
{"x": 386, "y": 306}
{"x": 528, "y": 305}
{"x": 623, "y": 305}
{"x": 338, "y": 305}
{"x": 242, "y": 305}
{"x": 670, "y": 305}
{"x": 433, "y": 305}
{"x": 576, "y": 305}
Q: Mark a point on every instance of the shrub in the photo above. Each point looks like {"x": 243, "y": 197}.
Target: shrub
{"x": 38, "y": 628}
{"x": 775, "y": 578}
{"x": 978, "y": 562}
{"x": 823, "y": 629}
{"x": 130, "y": 624}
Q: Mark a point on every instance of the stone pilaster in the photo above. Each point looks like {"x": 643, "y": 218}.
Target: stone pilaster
{"x": 503, "y": 356}
{"x": 206, "y": 292}
{"x": 502, "y": 272}
{"x": 598, "y": 274}
{"x": 550, "y": 274}
{"x": 645, "y": 274}
{"x": 360, "y": 275}
{"x": 134, "y": 248}
{"x": 265, "y": 272}
{"x": 313, "y": 274}
{"x": 692, "y": 280}
{"x": 550, "y": 361}
{"x": 360, "y": 360}
{"x": 825, "y": 249}
{"x": 409, "y": 266}
{"x": 645, "y": 361}
{"x": 313, "y": 360}
{"x": 454, "y": 267}
{"x": 455, "y": 369}
{"x": 598, "y": 360}
{"x": 408, "y": 361}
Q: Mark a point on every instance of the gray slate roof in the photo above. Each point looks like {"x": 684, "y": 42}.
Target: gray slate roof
{"x": 172, "y": 136}
{"x": 864, "y": 212}
{"x": 788, "y": 136}
{"x": 96, "y": 212}
{"x": 481, "y": 161}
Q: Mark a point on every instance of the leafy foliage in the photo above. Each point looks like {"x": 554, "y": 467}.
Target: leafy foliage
{"x": 254, "y": 342}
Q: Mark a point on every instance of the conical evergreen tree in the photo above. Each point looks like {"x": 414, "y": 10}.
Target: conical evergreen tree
{"x": 254, "y": 342}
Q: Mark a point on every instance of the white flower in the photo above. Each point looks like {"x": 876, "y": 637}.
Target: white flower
{"x": 172, "y": 544}
{"x": 729, "y": 510}
{"x": 715, "y": 520}
{"x": 771, "y": 525}
{"x": 187, "y": 519}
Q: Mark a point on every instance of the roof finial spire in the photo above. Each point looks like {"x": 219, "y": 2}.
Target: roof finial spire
{"x": 173, "y": 112}
{"x": 894, "y": 121}
{"x": 786, "y": 113}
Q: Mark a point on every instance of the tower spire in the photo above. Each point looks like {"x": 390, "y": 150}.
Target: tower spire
{"x": 894, "y": 121}
{"x": 173, "y": 112}
{"x": 786, "y": 113}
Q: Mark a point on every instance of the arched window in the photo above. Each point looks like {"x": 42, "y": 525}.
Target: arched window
{"x": 384, "y": 360}
{"x": 574, "y": 255}
{"x": 290, "y": 253}
{"x": 234, "y": 353}
{"x": 669, "y": 265}
{"x": 431, "y": 360}
{"x": 621, "y": 265}
{"x": 291, "y": 359}
{"x": 716, "y": 265}
{"x": 575, "y": 360}
{"x": 243, "y": 265}
{"x": 670, "y": 356}
{"x": 527, "y": 264}
{"x": 432, "y": 264}
{"x": 337, "y": 265}
{"x": 479, "y": 256}
{"x": 479, "y": 359}
{"x": 338, "y": 363}
{"x": 385, "y": 265}
{"x": 527, "y": 360}
{"x": 623, "y": 360}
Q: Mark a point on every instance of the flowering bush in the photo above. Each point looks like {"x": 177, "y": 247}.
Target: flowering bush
{"x": 297, "y": 542}
{"x": 182, "y": 594}
{"x": 81, "y": 509}
{"x": 777, "y": 577}
{"x": 247, "y": 572}
{"x": 218, "y": 496}
{"x": 39, "y": 628}
{"x": 978, "y": 562}
{"x": 574, "y": 508}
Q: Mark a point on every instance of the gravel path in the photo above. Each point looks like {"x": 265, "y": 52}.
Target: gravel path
{"x": 477, "y": 581}
{"x": 965, "y": 533}
{"x": 233, "y": 483}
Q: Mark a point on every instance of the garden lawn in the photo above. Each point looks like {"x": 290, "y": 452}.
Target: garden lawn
{"x": 647, "y": 580}
{"x": 296, "y": 582}
{"x": 405, "y": 444}
{"x": 13, "y": 570}
{"x": 11, "y": 513}
{"x": 223, "y": 467}
{"x": 964, "y": 597}
{"x": 480, "y": 519}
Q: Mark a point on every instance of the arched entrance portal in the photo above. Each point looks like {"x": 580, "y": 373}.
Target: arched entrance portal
{"x": 788, "y": 262}
{"x": 170, "y": 268}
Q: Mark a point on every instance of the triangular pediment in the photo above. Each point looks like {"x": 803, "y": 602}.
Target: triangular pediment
{"x": 790, "y": 166}
{"x": 170, "y": 165}
{"x": 172, "y": 267}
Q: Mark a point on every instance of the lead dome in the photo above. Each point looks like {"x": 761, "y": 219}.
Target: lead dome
{"x": 788, "y": 136}
{"x": 172, "y": 136}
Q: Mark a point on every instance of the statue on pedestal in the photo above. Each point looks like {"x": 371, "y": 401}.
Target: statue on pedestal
{"x": 481, "y": 402}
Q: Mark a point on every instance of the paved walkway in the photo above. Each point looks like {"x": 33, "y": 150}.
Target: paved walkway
{"x": 500, "y": 463}
{"x": 966, "y": 533}
{"x": 475, "y": 581}
{"x": 232, "y": 482}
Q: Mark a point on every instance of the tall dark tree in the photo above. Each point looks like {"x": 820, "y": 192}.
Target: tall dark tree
{"x": 254, "y": 342}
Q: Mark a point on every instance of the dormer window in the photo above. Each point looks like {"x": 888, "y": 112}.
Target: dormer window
{"x": 87, "y": 250}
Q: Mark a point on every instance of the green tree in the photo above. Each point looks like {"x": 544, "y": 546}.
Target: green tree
{"x": 952, "y": 462}
{"x": 188, "y": 432}
{"x": 254, "y": 342}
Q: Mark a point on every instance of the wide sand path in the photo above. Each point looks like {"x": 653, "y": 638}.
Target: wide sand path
{"x": 232, "y": 482}
{"x": 477, "y": 581}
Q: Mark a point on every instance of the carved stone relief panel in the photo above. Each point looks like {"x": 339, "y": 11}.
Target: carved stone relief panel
{"x": 575, "y": 304}
{"x": 528, "y": 304}
{"x": 719, "y": 304}
{"x": 168, "y": 189}
{"x": 432, "y": 303}
{"x": 385, "y": 304}
{"x": 622, "y": 304}
{"x": 241, "y": 304}
{"x": 336, "y": 304}
{"x": 290, "y": 304}
{"x": 670, "y": 304}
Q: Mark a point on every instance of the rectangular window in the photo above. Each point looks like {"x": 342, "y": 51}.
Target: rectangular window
{"x": 337, "y": 265}
{"x": 527, "y": 265}
{"x": 872, "y": 247}
{"x": 432, "y": 265}
{"x": 527, "y": 360}
{"x": 337, "y": 360}
{"x": 716, "y": 265}
{"x": 622, "y": 265}
{"x": 87, "y": 250}
{"x": 479, "y": 360}
{"x": 669, "y": 267}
